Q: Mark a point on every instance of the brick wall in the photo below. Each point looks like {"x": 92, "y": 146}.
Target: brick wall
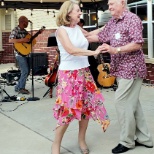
{"x": 150, "y": 73}
{"x": 7, "y": 56}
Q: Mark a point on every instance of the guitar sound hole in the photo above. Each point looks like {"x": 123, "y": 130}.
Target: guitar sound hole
{"x": 24, "y": 45}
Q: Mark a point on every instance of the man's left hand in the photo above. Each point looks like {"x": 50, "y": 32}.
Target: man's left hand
{"x": 108, "y": 48}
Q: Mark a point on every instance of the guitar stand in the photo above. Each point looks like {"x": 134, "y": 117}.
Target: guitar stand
{"x": 114, "y": 87}
{"x": 46, "y": 92}
{"x": 49, "y": 90}
{"x": 8, "y": 98}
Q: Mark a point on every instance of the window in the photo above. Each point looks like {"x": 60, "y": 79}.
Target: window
{"x": 8, "y": 22}
{"x": 141, "y": 11}
{"x": 145, "y": 45}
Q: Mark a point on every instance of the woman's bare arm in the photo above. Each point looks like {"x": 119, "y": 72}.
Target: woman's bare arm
{"x": 70, "y": 48}
{"x": 93, "y": 35}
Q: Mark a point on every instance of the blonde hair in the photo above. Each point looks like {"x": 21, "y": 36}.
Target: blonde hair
{"x": 63, "y": 15}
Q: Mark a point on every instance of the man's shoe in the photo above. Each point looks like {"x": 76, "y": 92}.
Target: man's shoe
{"x": 120, "y": 149}
{"x": 24, "y": 91}
{"x": 140, "y": 144}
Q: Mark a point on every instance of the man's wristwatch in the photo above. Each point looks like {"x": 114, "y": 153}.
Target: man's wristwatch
{"x": 118, "y": 50}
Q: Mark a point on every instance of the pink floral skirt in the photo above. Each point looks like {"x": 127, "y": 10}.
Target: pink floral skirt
{"x": 78, "y": 97}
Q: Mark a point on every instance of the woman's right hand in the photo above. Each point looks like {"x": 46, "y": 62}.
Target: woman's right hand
{"x": 98, "y": 50}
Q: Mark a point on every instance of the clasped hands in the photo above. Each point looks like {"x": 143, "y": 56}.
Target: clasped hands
{"x": 106, "y": 48}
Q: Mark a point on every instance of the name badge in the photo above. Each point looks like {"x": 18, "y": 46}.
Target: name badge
{"x": 117, "y": 36}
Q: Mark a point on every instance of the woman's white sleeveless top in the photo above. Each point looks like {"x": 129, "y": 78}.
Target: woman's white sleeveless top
{"x": 70, "y": 62}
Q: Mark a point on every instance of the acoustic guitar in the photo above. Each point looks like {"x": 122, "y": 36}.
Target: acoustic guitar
{"x": 25, "y": 48}
{"x": 104, "y": 77}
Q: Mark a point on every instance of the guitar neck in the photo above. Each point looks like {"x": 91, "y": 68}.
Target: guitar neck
{"x": 101, "y": 59}
{"x": 36, "y": 34}
{"x": 105, "y": 66}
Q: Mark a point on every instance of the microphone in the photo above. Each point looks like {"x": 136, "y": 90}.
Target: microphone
{"x": 30, "y": 21}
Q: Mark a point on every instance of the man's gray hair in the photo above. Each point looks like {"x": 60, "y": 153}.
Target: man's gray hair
{"x": 124, "y": 1}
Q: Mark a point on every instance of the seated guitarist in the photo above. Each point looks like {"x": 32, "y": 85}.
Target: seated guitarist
{"x": 18, "y": 35}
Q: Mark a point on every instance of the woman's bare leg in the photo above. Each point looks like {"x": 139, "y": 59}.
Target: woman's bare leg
{"x": 83, "y": 124}
{"x": 58, "y": 138}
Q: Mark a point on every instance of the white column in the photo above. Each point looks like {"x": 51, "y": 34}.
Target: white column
{"x": 150, "y": 29}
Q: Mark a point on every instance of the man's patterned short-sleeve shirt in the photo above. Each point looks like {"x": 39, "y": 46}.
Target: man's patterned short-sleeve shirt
{"x": 127, "y": 29}
{"x": 17, "y": 33}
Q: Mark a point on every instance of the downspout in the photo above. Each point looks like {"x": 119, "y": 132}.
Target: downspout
{"x": 150, "y": 29}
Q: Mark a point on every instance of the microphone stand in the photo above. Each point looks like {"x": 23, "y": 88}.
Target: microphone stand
{"x": 32, "y": 98}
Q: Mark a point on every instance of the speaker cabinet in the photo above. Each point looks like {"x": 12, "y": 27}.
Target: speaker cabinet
{"x": 39, "y": 63}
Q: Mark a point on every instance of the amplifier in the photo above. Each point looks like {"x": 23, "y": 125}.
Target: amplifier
{"x": 39, "y": 62}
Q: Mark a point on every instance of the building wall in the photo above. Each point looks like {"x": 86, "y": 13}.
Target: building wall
{"x": 39, "y": 18}
{"x": 150, "y": 72}
{"x": 7, "y": 56}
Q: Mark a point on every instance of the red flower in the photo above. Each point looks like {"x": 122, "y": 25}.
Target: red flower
{"x": 68, "y": 119}
{"x": 73, "y": 112}
{"x": 87, "y": 113}
{"x": 90, "y": 86}
{"x": 65, "y": 112}
{"x": 79, "y": 104}
{"x": 74, "y": 74}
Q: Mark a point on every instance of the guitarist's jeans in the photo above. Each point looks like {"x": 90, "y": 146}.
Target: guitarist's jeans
{"x": 130, "y": 115}
{"x": 24, "y": 68}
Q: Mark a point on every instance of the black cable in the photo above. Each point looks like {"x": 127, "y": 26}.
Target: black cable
{"x": 14, "y": 108}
